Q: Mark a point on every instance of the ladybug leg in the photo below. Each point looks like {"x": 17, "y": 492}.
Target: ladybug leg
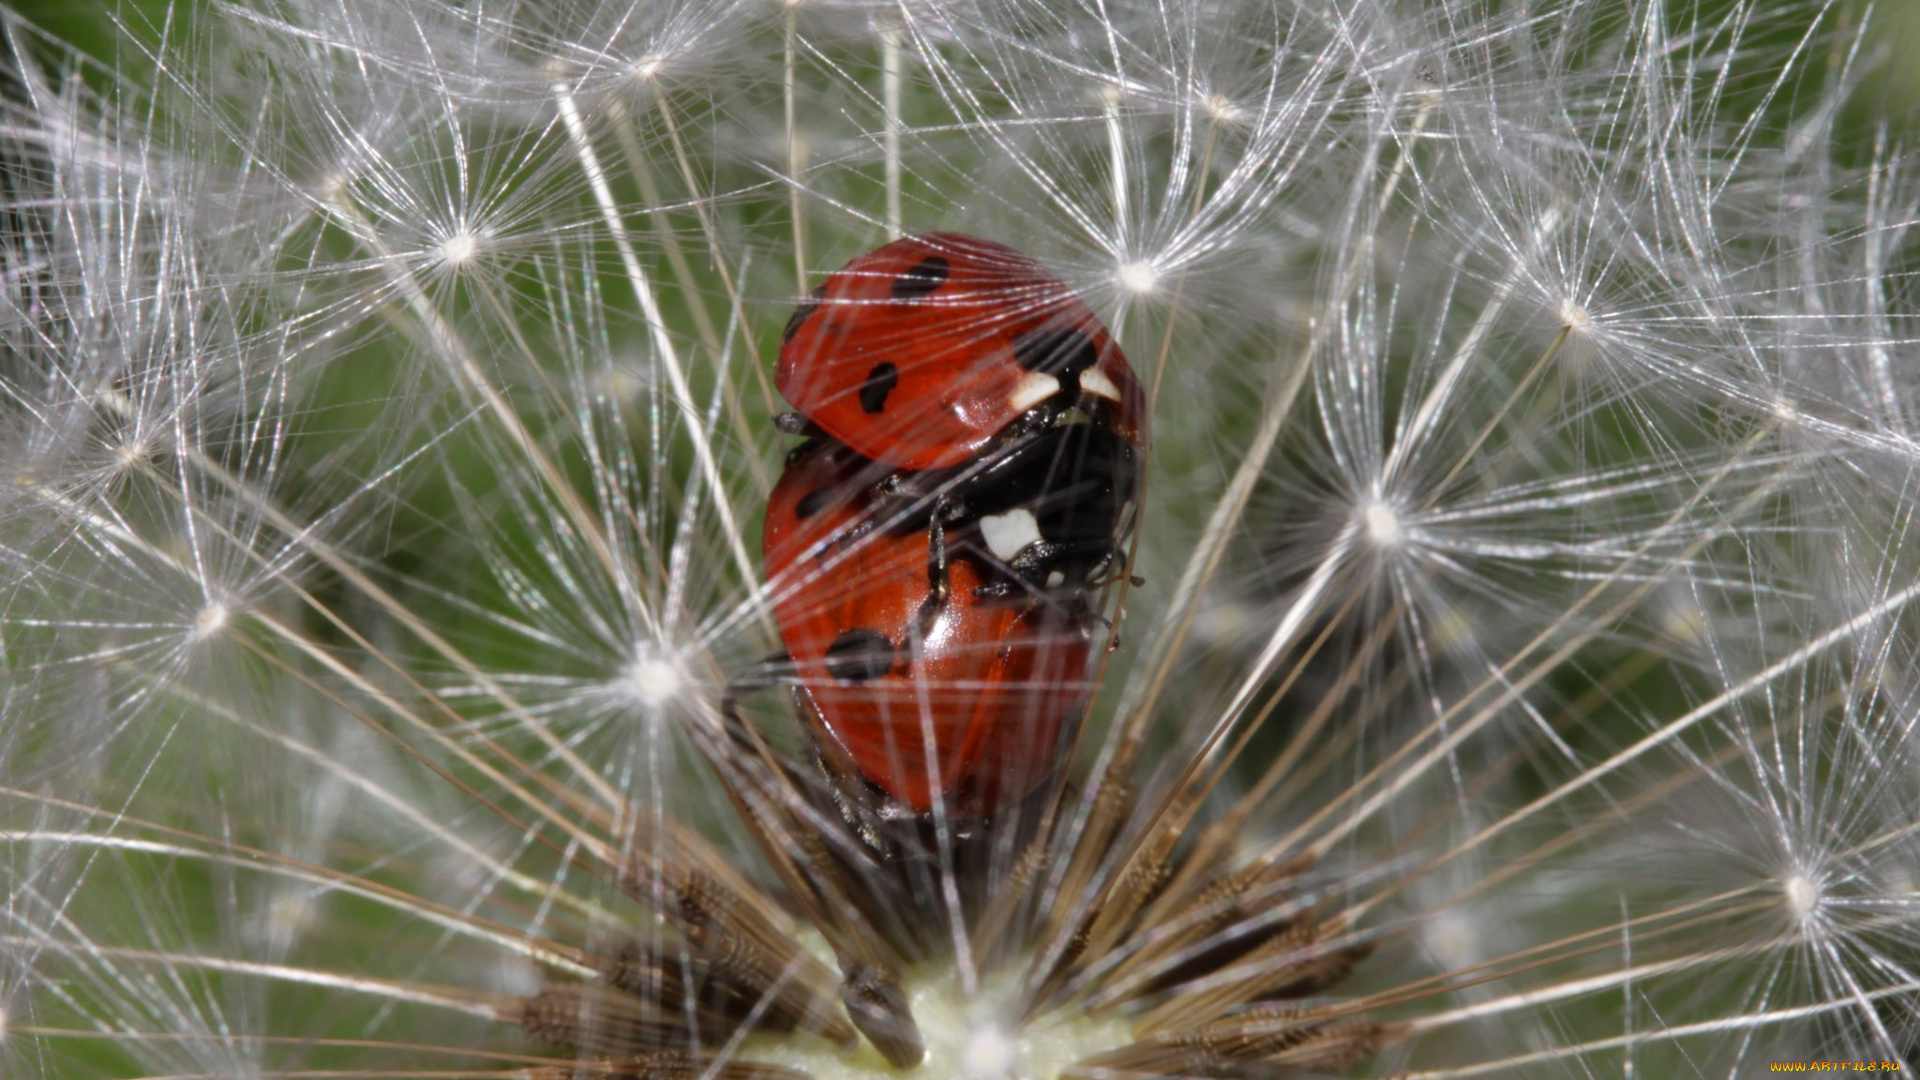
{"x": 767, "y": 672}
{"x": 938, "y": 581}
{"x": 999, "y": 590}
{"x": 1030, "y": 570}
{"x": 850, "y": 535}
{"x": 894, "y": 489}
{"x": 939, "y": 573}
{"x": 792, "y": 423}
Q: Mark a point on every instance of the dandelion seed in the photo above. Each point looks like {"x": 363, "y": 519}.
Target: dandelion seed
{"x": 210, "y": 620}
{"x": 1682, "y": 620}
{"x": 1221, "y": 109}
{"x": 1802, "y": 895}
{"x": 654, "y": 679}
{"x": 460, "y": 248}
{"x": 1455, "y": 938}
{"x": 988, "y": 1055}
{"x": 647, "y": 67}
{"x": 332, "y": 186}
{"x": 1382, "y": 524}
{"x": 1139, "y": 277}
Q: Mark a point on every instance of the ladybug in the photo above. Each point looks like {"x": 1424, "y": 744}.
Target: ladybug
{"x": 921, "y": 352}
{"x": 999, "y": 400}
{"x": 918, "y": 680}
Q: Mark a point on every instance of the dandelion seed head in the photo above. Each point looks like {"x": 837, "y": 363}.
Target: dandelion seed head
{"x": 1220, "y": 108}
{"x": 1224, "y": 622}
{"x": 1802, "y": 895}
{"x": 1139, "y": 277}
{"x": 1381, "y": 523}
{"x": 288, "y": 917}
{"x": 988, "y": 1055}
{"x": 973, "y": 1041}
{"x": 1454, "y": 938}
{"x": 968, "y": 1038}
{"x": 460, "y": 248}
{"x": 210, "y": 620}
{"x": 648, "y": 67}
{"x": 516, "y": 977}
{"x": 622, "y": 381}
{"x": 653, "y": 679}
{"x": 132, "y": 453}
{"x": 332, "y": 186}
{"x": 1575, "y": 317}
{"x": 1682, "y": 619}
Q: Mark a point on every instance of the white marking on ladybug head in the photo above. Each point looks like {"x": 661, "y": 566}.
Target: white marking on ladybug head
{"x": 1055, "y": 579}
{"x": 1094, "y": 381}
{"x": 1037, "y": 387}
{"x": 1009, "y": 534}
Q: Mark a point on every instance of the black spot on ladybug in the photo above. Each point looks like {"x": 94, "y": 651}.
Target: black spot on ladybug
{"x": 859, "y": 656}
{"x": 815, "y": 501}
{"x": 880, "y": 382}
{"x": 921, "y": 278}
{"x": 801, "y": 313}
{"x": 1056, "y": 350}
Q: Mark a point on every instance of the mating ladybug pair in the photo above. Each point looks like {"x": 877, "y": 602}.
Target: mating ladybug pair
{"x": 971, "y": 477}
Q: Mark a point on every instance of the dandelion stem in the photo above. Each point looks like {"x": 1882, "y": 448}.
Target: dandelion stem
{"x": 1438, "y": 490}
{"x": 890, "y": 98}
{"x": 1741, "y": 1022}
{"x": 242, "y": 857}
{"x": 306, "y": 538}
{"x": 676, "y": 257}
{"x": 1511, "y": 689}
{"x": 664, "y": 350}
{"x": 122, "y": 534}
{"x": 454, "y": 999}
{"x": 449, "y": 345}
{"x": 1450, "y": 378}
{"x": 1117, "y": 161}
{"x": 795, "y": 152}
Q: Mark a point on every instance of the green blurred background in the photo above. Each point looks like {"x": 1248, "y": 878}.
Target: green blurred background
{"x": 91, "y": 25}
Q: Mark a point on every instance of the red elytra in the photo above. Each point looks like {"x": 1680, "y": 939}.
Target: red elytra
{"x": 961, "y": 702}
{"x": 919, "y": 352}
